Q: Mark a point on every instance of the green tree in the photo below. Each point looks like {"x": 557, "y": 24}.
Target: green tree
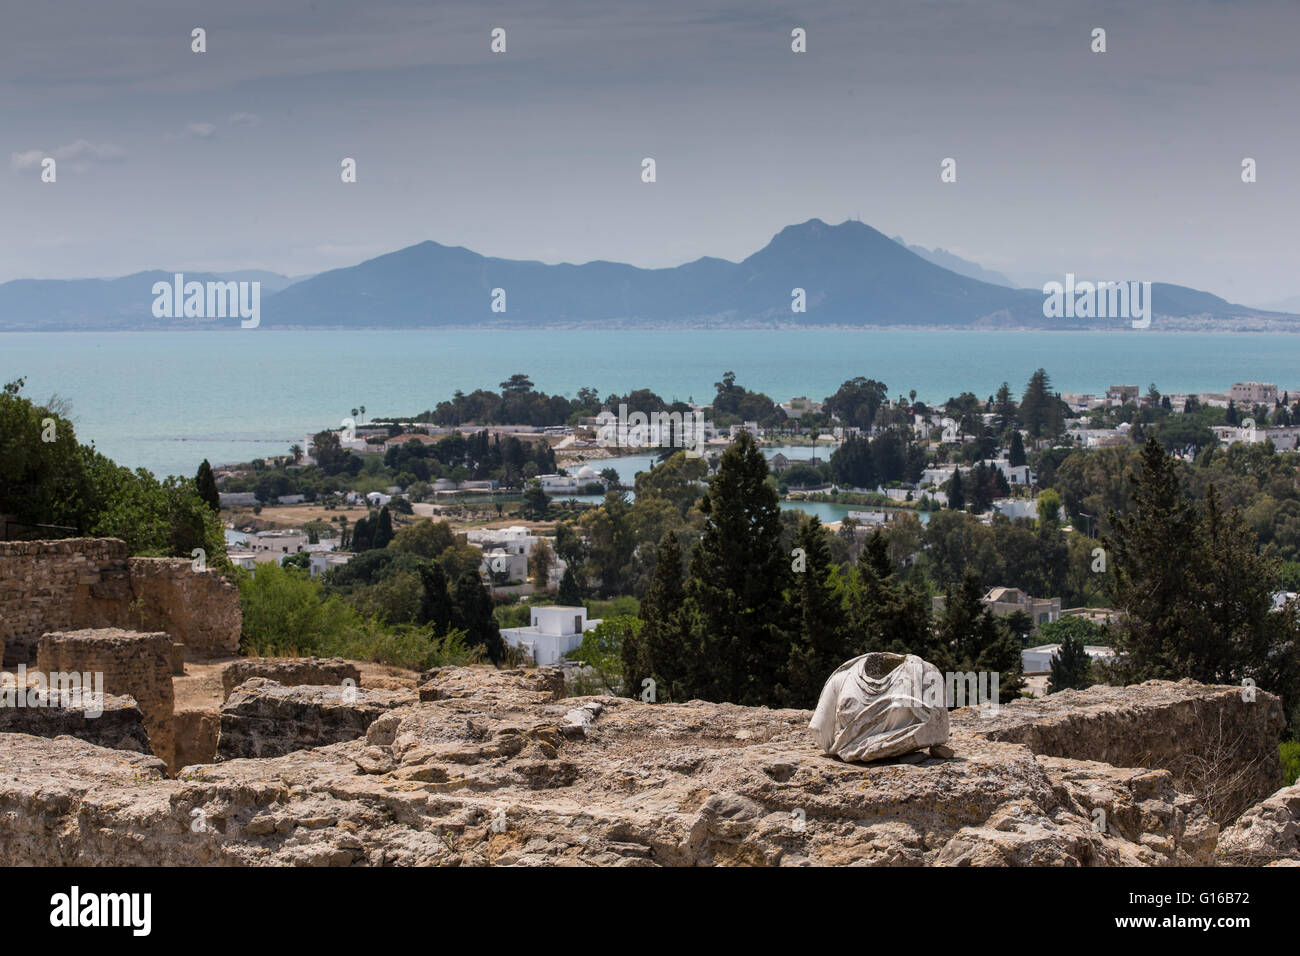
{"x": 956, "y": 494}
{"x": 1016, "y": 453}
{"x": 536, "y": 503}
{"x": 472, "y": 613}
{"x": 570, "y": 594}
{"x": 661, "y": 649}
{"x": 972, "y": 639}
{"x": 206, "y": 485}
{"x": 1071, "y": 667}
{"x": 739, "y": 574}
{"x": 436, "y": 605}
{"x": 819, "y": 642}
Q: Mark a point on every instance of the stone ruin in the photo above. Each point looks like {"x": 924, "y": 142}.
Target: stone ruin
{"x": 293, "y": 671}
{"x": 301, "y": 766}
{"x": 81, "y": 605}
{"x": 133, "y": 664}
{"x": 481, "y": 766}
{"x": 264, "y": 718}
{"x": 79, "y": 583}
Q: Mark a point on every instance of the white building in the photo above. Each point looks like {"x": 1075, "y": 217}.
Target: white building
{"x": 322, "y": 561}
{"x": 244, "y": 559}
{"x": 553, "y": 484}
{"x": 555, "y": 631}
{"x": 267, "y": 544}
{"x": 870, "y": 518}
{"x": 498, "y": 561}
{"x": 1254, "y": 393}
{"x": 517, "y": 539}
{"x": 1038, "y": 660}
{"x": 1016, "y": 507}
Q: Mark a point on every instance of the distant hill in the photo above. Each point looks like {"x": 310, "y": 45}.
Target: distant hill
{"x": 955, "y": 263}
{"x": 852, "y": 275}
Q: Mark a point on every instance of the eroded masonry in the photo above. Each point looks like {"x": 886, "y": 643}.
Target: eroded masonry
{"x": 303, "y": 765}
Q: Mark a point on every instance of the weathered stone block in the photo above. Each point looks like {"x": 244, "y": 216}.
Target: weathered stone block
{"x": 196, "y": 737}
{"x": 264, "y": 718}
{"x": 290, "y": 671}
{"x": 1213, "y": 739}
{"x": 120, "y": 726}
{"x": 133, "y": 663}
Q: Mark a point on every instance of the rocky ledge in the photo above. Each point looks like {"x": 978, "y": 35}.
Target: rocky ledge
{"x": 495, "y": 767}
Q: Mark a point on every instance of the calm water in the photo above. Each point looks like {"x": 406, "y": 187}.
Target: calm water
{"x": 167, "y": 400}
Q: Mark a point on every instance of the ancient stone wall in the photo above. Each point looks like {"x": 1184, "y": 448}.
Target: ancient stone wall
{"x": 133, "y": 663}
{"x": 58, "y": 585}
{"x": 1219, "y": 742}
{"x": 90, "y": 582}
{"x": 199, "y": 609}
{"x": 290, "y": 671}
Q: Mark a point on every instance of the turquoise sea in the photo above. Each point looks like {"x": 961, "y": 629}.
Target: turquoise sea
{"x": 167, "y": 400}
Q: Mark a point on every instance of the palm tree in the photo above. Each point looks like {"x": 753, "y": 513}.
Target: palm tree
{"x": 296, "y": 452}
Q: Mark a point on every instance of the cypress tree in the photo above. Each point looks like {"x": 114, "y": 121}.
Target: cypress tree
{"x": 739, "y": 573}
{"x": 817, "y": 616}
{"x": 956, "y": 495}
{"x": 384, "y": 530}
{"x": 1016, "y": 453}
{"x": 1071, "y": 668}
{"x": 472, "y": 613}
{"x": 661, "y": 650}
{"x": 206, "y": 484}
{"x": 1151, "y": 550}
{"x": 435, "y": 604}
{"x": 569, "y": 594}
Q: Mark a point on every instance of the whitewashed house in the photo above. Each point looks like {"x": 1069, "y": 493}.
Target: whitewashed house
{"x": 555, "y": 630}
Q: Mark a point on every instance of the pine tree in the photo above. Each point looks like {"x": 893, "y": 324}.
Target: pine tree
{"x": 956, "y": 496}
{"x": 569, "y": 594}
{"x": 1036, "y": 404}
{"x": 972, "y": 638}
{"x": 661, "y": 650}
{"x": 739, "y": 573}
{"x": 819, "y": 642}
{"x": 1071, "y": 667}
{"x": 435, "y": 604}
{"x": 472, "y": 613}
{"x": 384, "y": 529}
{"x": 884, "y": 613}
{"x": 206, "y": 484}
{"x": 1005, "y": 410}
{"x": 1153, "y": 551}
{"x": 1016, "y": 453}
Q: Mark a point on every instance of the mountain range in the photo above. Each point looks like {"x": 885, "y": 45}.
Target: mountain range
{"x": 852, "y": 275}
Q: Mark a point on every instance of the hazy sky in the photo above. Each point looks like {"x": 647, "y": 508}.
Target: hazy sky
{"x": 1124, "y": 165}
